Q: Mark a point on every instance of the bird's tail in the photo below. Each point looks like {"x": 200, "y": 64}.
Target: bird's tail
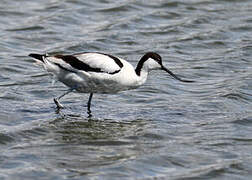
{"x": 38, "y": 56}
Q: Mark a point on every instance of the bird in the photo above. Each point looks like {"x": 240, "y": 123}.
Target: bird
{"x": 96, "y": 72}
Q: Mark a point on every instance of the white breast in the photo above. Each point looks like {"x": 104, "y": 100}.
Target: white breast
{"x": 111, "y": 79}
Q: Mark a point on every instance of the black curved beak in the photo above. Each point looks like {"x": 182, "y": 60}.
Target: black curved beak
{"x": 174, "y": 76}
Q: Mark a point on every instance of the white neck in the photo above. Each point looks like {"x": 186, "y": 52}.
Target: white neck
{"x": 145, "y": 65}
{"x": 143, "y": 76}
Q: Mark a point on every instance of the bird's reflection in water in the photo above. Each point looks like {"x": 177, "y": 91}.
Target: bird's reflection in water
{"x": 74, "y": 128}
{"x": 80, "y": 144}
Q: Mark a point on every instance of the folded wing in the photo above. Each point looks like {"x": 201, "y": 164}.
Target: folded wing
{"x": 88, "y": 62}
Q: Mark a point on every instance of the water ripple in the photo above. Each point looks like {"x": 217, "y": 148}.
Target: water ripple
{"x": 166, "y": 129}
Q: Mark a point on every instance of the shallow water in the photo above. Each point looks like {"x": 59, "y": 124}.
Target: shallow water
{"x": 165, "y": 129}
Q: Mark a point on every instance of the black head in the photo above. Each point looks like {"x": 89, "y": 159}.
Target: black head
{"x": 154, "y": 56}
{"x": 154, "y": 61}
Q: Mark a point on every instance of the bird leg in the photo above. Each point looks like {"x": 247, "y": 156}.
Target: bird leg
{"x": 56, "y": 100}
{"x": 89, "y": 104}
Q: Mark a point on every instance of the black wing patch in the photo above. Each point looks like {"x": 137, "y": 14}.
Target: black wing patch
{"x": 117, "y": 61}
{"x": 77, "y": 64}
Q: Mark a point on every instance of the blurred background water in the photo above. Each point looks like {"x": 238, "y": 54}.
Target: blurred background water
{"x": 165, "y": 129}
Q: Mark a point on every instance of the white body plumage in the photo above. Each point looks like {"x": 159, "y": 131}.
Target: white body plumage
{"x": 96, "y": 82}
{"x": 100, "y": 73}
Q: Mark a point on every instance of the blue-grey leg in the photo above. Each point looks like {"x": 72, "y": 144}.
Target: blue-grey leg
{"x": 56, "y": 100}
{"x": 89, "y": 104}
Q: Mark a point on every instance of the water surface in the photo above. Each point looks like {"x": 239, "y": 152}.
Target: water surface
{"x": 165, "y": 129}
